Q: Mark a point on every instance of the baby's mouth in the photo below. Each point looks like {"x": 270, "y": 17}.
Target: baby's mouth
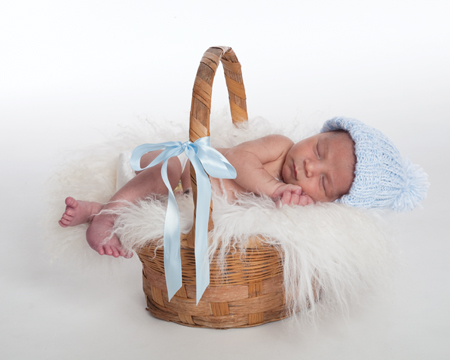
{"x": 295, "y": 170}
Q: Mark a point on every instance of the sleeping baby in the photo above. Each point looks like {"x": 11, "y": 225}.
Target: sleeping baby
{"x": 347, "y": 162}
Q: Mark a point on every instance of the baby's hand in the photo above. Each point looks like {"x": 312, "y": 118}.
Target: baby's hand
{"x": 294, "y": 199}
{"x": 288, "y": 194}
{"x": 286, "y": 188}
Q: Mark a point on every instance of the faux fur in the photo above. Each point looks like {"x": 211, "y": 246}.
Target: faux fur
{"x": 346, "y": 251}
{"x": 342, "y": 250}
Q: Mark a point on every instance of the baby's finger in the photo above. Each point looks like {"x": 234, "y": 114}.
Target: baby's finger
{"x": 309, "y": 200}
{"x": 295, "y": 199}
{"x": 278, "y": 203}
{"x": 286, "y": 198}
{"x": 295, "y": 189}
{"x": 306, "y": 200}
{"x": 303, "y": 201}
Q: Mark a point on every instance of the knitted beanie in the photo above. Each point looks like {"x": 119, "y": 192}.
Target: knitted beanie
{"x": 382, "y": 178}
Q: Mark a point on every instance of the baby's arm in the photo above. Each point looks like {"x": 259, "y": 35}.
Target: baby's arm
{"x": 257, "y": 163}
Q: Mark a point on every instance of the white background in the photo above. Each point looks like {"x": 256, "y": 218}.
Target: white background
{"x": 71, "y": 71}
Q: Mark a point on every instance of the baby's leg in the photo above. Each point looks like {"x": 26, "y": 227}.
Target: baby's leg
{"x": 145, "y": 183}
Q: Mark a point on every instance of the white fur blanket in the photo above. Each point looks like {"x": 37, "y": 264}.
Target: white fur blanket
{"x": 346, "y": 251}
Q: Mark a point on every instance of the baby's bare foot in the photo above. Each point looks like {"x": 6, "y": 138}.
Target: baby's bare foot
{"x": 78, "y": 212}
{"x": 100, "y": 238}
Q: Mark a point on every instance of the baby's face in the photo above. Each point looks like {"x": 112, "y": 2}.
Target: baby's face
{"x": 322, "y": 165}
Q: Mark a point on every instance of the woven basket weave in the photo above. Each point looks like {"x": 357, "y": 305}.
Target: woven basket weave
{"x": 250, "y": 291}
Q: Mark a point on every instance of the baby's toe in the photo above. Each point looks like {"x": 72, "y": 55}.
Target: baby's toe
{"x": 62, "y": 223}
{"x": 71, "y": 202}
{"x": 69, "y": 212}
{"x": 126, "y": 254}
{"x": 67, "y": 217}
{"x": 115, "y": 252}
{"x": 108, "y": 250}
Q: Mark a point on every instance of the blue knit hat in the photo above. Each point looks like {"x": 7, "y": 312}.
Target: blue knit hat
{"x": 382, "y": 178}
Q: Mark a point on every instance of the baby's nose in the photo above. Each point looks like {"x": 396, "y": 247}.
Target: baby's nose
{"x": 309, "y": 168}
{"x": 312, "y": 167}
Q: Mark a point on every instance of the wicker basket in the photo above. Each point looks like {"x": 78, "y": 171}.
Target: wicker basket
{"x": 250, "y": 291}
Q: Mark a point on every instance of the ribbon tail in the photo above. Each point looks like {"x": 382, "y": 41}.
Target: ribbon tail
{"x": 172, "y": 257}
{"x": 201, "y": 227}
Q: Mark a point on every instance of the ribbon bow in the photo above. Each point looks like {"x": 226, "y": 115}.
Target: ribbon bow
{"x": 205, "y": 160}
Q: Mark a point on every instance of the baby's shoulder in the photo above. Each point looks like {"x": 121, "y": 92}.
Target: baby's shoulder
{"x": 277, "y": 140}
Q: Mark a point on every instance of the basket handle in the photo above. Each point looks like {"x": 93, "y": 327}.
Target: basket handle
{"x": 199, "y": 125}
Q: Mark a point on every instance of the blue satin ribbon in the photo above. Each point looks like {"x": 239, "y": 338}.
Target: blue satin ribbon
{"x": 205, "y": 160}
